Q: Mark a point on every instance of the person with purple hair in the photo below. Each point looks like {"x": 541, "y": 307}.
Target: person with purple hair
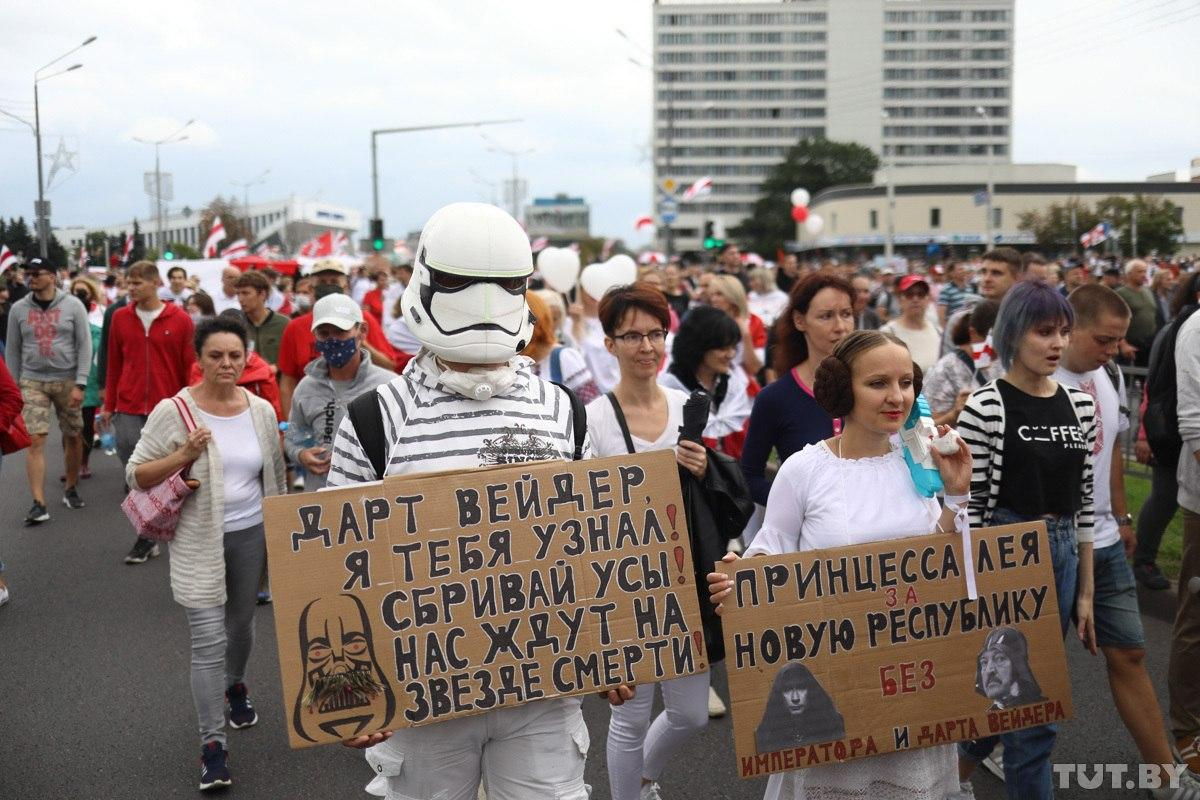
{"x": 1027, "y": 418}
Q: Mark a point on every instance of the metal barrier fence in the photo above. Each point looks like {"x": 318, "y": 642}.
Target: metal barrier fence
{"x": 1135, "y": 382}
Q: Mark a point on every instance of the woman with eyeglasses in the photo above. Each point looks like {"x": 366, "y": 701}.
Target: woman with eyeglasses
{"x": 635, "y": 320}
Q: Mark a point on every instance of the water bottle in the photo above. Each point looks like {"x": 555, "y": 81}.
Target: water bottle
{"x": 917, "y": 435}
{"x": 108, "y": 440}
{"x": 308, "y": 441}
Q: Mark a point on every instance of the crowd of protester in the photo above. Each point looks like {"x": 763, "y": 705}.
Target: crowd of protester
{"x": 997, "y": 343}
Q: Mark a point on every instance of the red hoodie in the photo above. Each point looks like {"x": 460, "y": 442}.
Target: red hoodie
{"x": 257, "y": 378}
{"x": 144, "y": 368}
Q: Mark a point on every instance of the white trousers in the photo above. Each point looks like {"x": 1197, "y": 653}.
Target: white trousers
{"x": 638, "y": 749}
{"x": 530, "y": 752}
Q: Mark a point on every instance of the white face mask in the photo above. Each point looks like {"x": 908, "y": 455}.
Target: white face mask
{"x": 480, "y": 383}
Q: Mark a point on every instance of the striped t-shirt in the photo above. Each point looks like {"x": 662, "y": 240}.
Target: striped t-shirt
{"x": 430, "y": 428}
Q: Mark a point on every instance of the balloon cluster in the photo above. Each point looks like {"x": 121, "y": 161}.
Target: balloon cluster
{"x": 560, "y": 268}
{"x": 813, "y": 223}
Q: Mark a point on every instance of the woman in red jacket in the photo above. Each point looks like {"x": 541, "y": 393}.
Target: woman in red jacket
{"x": 10, "y": 411}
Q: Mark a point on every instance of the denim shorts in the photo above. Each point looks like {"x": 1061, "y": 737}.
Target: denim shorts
{"x": 1118, "y": 618}
{"x": 1064, "y": 555}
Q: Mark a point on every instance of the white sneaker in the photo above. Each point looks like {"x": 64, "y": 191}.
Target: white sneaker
{"x": 994, "y": 763}
{"x": 716, "y": 706}
{"x": 650, "y": 792}
{"x": 4, "y": 595}
{"x": 1188, "y": 789}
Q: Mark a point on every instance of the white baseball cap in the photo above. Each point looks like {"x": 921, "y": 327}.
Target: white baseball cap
{"x": 336, "y": 309}
{"x": 328, "y": 265}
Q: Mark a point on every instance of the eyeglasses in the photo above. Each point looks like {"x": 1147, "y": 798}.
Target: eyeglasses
{"x": 634, "y": 339}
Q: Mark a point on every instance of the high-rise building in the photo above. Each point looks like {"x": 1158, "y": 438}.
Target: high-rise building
{"x": 737, "y": 83}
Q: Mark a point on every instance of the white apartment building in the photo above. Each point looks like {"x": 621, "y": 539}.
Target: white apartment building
{"x": 737, "y": 83}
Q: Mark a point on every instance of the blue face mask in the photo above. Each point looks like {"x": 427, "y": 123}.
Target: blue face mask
{"x": 338, "y": 352}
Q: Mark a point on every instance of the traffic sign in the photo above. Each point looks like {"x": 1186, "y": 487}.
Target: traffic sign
{"x": 668, "y": 210}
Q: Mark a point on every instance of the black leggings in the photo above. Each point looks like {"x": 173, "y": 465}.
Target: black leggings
{"x": 89, "y": 430}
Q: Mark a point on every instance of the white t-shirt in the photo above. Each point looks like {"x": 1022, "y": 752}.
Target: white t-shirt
{"x": 167, "y": 296}
{"x": 223, "y": 303}
{"x": 148, "y": 317}
{"x": 603, "y": 364}
{"x": 242, "y": 463}
{"x": 1110, "y": 423}
{"x": 925, "y": 344}
{"x": 605, "y": 432}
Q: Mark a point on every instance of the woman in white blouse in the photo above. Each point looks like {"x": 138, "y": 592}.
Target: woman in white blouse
{"x": 635, "y": 320}
{"x": 218, "y": 551}
{"x": 817, "y": 501}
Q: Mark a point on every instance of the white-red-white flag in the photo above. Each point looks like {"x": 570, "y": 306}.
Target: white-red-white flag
{"x": 318, "y": 246}
{"x": 643, "y": 222}
{"x": 215, "y": 236}
{"x": 700, "y": 188}
{"x": 128, "y": 248}
{"x": 8, "y": 259}
{"x": 236, "y": 249}
{"x": 341, "y": 243}
{"x": 83, "y": 257}
{"x": 652, "y": 257}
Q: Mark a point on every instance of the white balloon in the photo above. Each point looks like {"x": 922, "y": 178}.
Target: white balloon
{"x": 559, "y": 267}
{"x": 800, "y": 197}
{"x": 596, "y": 279}
{"x": 814, "y": 224}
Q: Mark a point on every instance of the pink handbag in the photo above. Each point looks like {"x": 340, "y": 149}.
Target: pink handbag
{"x": 154, "y": 512}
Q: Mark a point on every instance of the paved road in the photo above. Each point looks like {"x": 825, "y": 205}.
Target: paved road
{"x": 95, "y": 700}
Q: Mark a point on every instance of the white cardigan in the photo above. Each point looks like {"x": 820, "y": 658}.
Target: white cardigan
{"x": 198, "y": 550}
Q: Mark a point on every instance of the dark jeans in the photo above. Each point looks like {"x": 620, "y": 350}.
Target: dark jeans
{"x": 1027, "y": 770}
{"x": 1157, "y": 513}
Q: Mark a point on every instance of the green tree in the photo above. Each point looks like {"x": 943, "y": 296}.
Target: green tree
{"x": 1058, "y": 227}
{"x": 19, "y": 239}
{"x": 812, "y": 164}
{"x": 1158, "y": 223}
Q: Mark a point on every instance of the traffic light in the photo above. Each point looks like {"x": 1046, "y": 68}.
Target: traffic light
{"x": 168, "y": 254}
{"x": 377, "y": 243}
{"x": 711, "y": 242}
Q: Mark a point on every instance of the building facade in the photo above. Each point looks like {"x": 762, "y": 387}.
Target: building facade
{"x": 288, "y": 222}
{"x": 558, "y": 218}
{"x": 737, "y": 83}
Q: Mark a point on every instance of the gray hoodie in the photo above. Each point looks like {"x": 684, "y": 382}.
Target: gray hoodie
{"x": 319, "y": 404}
{"x": 50, "y": 345}
{"x": 1187, "y": 386}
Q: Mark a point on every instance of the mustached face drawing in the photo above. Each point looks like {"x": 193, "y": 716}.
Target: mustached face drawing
{"x": 338, "y": 659}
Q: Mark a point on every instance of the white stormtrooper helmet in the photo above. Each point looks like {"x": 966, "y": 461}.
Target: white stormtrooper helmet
{"x": 466, "y": 299}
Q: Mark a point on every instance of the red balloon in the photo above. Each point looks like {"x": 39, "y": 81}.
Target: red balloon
{"x": 799, "y": 213}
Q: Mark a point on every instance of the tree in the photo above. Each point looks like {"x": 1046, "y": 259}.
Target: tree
{"x": 812, "y": 164}
{"x": 1158, "y": 223}
{"x": 19, "y": 239}
{"x": 1058, "y": 228}
{"x": 229, "y": 212}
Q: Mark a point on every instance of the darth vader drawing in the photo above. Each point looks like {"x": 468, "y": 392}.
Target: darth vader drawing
{"x": 344, "y": 692}
{"x": 1003, "y": 674}
{"x": 799, "y": 711}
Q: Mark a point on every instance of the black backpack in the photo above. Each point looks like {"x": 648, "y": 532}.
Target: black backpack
{"x": 367, "y": 419}
{"x": 1162, "y": 407}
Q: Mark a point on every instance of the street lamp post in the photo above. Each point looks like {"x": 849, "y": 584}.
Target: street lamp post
{"x": 158, "y": 203}
{"x": 889, "y": 244}
{"x": 515, "y": 196}
{"x": 981, "y": 112}
{"x": 43, "y": 219}
{"x": 245, "y": 187}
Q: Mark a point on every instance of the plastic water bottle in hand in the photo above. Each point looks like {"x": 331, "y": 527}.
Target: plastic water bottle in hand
{"x": 917, "y": 435}
{"x": 108, "y": 440}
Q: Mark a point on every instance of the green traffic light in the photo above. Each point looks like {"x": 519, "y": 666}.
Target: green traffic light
{"x": 377, "y": 244}
{"x": 169, "y": 256}
{"x": 710, "y": 244}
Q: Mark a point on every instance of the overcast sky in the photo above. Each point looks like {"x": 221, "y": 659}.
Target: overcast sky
{"x": 296, "y": 87}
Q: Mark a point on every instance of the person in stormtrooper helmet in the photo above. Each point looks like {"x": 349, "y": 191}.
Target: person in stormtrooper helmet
{"x": 467, "y": 399}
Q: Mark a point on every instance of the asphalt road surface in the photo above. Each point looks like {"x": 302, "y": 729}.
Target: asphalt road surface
{"x": 94, "y": 679}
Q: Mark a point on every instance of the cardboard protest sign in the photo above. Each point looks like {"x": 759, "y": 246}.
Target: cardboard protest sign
{"x": 850, "y": 652}
{"x": 424, "y": 598}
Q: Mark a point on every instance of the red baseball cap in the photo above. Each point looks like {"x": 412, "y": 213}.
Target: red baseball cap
{"x": 908, "y": 281}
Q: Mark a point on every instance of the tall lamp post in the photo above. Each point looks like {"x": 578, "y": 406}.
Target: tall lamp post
{"x": 245, "y": 187}
{"x": 514, "y": 198}
{"x": 889, "y": 244}
{"x": 981, "y": 112}
{"x": 177, "y": 136}
{"x": 43, "y": 218}
{"x": 668, "y": 232}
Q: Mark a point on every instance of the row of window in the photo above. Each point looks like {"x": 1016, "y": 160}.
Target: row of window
{"x": 935, "y": 218}
{"x": 749, "y": 37}
{"x": 775, "y": 112}
{"x": 945, "y": 130}
{"x": 751, "y": 18}
{"x": 946, "y": 74}
{"x": 730, "y": 76}
{"x": 924, "y": 112}
{"x": 742, "y": 56}
{"x": 766, "y": 132}
{"x": 943, "y": 92}
{"x": 958, "y": 149}
{"x": 948, "y": 54}
{"x": 700, "y": 170}
{"x": 736, "y": 95}
{"x": 749, "y": 151}
{"x": 988, "y": 15}
{"x": 947, "y": 35}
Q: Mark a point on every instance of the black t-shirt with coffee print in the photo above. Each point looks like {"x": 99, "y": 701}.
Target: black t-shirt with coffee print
{"x": 1044, "y": 452}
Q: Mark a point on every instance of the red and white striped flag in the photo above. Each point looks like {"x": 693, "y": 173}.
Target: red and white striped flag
{"x": 83, "y": 257}
{"x": 263, "y": 250}
{"x": 8, "y": 259}
{"x": 216, "y": 235}
{"x": 128, "y": 248}
{"x": 236, "y": 249}
{"x": 643, "y": 222}
{"x": 1095, "y": 236}
{"x": 341, "y": 243}
{"x": 539, "y": 244}
{"x": 700, "y": 188}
